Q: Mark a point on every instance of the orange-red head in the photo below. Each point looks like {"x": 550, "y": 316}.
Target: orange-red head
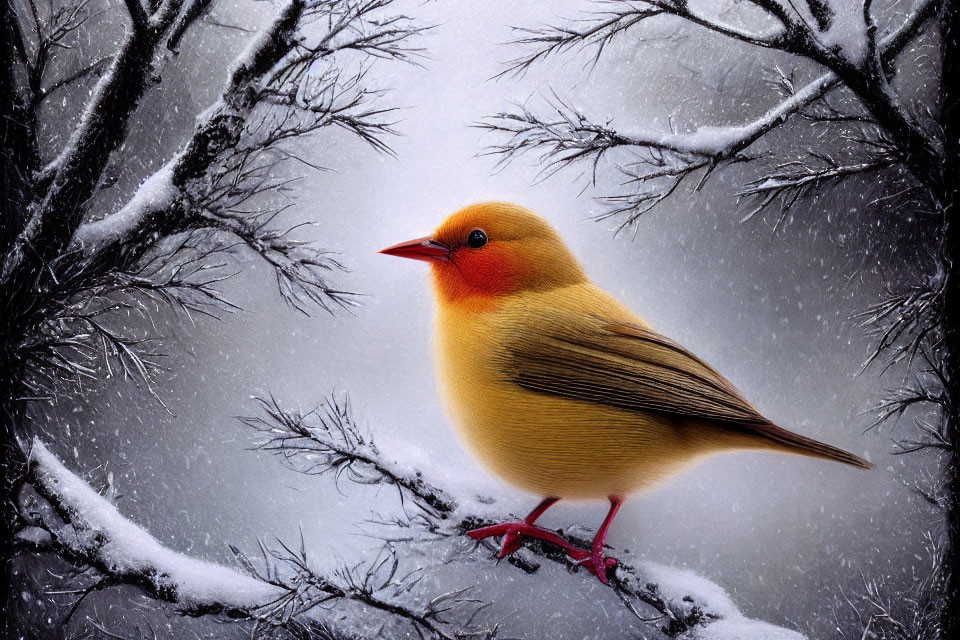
{"x": 492, "y": 249}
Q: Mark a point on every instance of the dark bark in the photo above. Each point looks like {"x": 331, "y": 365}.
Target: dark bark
{"x": 19, "y": 155}
{"x": 916, "y": 147}
{"x": 216, "y": 132}
{"x": 12, "y": 468}
{"x": 33, "y": 232}
{"x": 75, "y": 176}
{"x": 62, "y": 210}
{"x": 950, "y": 202}
{"x": 19, "y": 158}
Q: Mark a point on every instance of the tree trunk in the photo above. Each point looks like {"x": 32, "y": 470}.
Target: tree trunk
{"x": 12, "y": 468}
{"x": 950, "y": 202}
{"x": 19, "y": 158}
{"x": 19, "y": 155}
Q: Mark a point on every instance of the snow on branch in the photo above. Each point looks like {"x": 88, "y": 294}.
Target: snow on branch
{"x": 616, "y": 18}
{"x": 282, "y": 594}
{"x": 225, "y": 184}
{"x": 569, "y": 137}
{"x": 327, "y": 440}
{"x": 74, "y": 176}
{"x": 218, "y": 129}
{"x": 64, "y": 511}
{"x": 660, "y": 161}
{"x": 227, "y": 190}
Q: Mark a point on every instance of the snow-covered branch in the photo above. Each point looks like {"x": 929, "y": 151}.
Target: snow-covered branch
{"x": 219, "y": 128}
{"x": 73, "y": 177}
{"x": 327, "y": 440}
{"x": 660, "y": 161}
{"x": 275, "y": 93}
{"x": 63, "y": 512}
{"x": 227, "y": 187}
{"x": 283, "y": 591}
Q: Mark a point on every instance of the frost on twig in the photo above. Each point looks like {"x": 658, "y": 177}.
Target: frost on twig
{"x": 282, "y": 594}
{"x": 877, "y": 609}
{"x": 327, "y": 440}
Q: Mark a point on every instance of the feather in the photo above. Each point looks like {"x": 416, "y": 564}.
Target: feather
{"x": 634, "y": 368}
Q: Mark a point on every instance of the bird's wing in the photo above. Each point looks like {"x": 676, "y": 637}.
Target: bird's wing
{"x": 622, "y": 365}
{"x": 631, "y": 367}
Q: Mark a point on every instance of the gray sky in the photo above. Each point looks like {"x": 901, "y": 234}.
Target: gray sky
{"x": 768, "y": 310}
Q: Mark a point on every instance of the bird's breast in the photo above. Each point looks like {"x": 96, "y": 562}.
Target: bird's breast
{"x": 542, "y": 443}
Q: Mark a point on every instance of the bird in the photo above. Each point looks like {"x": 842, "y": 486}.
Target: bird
{"x": 562, "y": 390}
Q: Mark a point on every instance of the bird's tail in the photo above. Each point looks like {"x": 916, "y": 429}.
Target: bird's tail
{"x": 795, "y": 443}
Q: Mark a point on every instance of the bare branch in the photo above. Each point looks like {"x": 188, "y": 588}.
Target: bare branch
{"x": 789, "y": 182}
{"x": 327, "y": 440}
{"x": 880, "y": 610}
{"x": 601, "y": 28}
{"x": 904, "y": 321}
{"x": 52, "y": 31}
{"x": 94, "y": 68}
{"x": 597, "y": 32}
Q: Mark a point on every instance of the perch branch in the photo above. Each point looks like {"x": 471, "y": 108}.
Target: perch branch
{"x": 328, "y": 441}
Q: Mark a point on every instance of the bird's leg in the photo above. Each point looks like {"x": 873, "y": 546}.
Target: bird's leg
{"x": 514, "y": 532}
{"x": 594, "y": 560}
{"x": 513, "y": 539}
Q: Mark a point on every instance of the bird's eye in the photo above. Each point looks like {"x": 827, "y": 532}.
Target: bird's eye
{"x": 476, "y": 239}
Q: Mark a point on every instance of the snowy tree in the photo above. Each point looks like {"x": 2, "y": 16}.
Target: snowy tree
{"x": 75, "y": 265}
{"x": 864, "y": 94}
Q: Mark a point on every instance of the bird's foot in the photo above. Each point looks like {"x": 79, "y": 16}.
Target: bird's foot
{"x": 514, "y": 532}
{"x": 595, "y": 562}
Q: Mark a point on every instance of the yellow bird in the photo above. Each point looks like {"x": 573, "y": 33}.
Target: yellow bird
{"x": 562, "y": 390}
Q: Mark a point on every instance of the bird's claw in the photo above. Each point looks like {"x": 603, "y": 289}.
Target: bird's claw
{"x": 511, "y": 542}
{"x": 513, "y": 534}
{"x": 595, "y": 562}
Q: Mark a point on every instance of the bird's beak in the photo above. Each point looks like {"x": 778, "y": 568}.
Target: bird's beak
{"x": 420, "y": 249}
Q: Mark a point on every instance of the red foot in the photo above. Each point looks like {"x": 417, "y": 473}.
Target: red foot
{"x": 514, "y": 532}
{"x": 595, "y": 562}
